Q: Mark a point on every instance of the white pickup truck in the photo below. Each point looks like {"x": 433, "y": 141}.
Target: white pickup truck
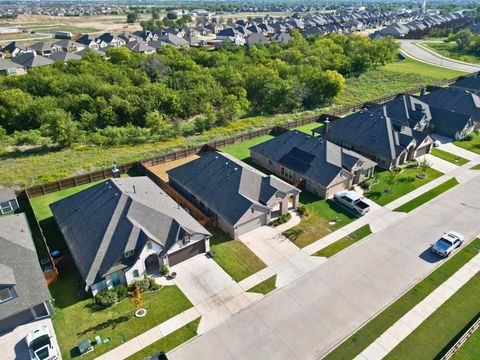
{"x": 352, "y": 201}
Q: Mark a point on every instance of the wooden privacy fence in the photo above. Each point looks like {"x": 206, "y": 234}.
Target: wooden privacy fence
{"x": 189, "y": 151}
{"x": 175, "y": 195}
{"x": 462, "y": 340}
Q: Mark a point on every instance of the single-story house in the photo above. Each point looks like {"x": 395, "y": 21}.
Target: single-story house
{"x": 241, "y": 197}
{"x": 64, "y": 56}
{"x": 469, "y": 83}
{"x": 121, "y": 229}
{"x": 24, "y": 295}
{"x": 8, "y": 201}
{"x": 69, "y": 45}
{"x": 9, "y": 68}
{"x": 30, "y": 60}
{"x": 45, "y": 48}
{"x": 322, "y": 167}
{"x": 450, "y": 123}
{"x": 374, "y": 136}
{"x": 140, "y": 47}
{"x": 458, "y": 100}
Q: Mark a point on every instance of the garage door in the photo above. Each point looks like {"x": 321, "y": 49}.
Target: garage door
{"x": 186, "y": 253}
{"x": 423, "y": 150}
{"x": 251, "y": 224}
{"x": 16, "y": 320}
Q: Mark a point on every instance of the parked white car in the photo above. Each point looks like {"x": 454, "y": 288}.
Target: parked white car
{"x": 40, "y": 346}
{"x": 352, "y": 201}
{"x": 447, "y": 243}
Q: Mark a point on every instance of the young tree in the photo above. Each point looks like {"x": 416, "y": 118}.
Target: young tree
{"x": 132, "y": 17}
{"x": 391, "y": 178}
{"x": 61, "y": 128}
{"x": 158, "y": 125}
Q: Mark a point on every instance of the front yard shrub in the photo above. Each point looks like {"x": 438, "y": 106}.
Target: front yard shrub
{"x": 106, "y": 298}
{"x": 165, "y": 270}
{"x": 282, "y": 219}
{"x": 121, "y": 292}
{"x": 143, "y": 284}
{"x": 153, "y": 285}
{"x": 303, "y": 211}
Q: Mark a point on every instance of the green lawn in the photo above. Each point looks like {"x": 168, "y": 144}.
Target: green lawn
{"x": 422, "y": 199}
{"x": 432, "y": 338}
{"x": 234, "y": 257}
{"x": 168, "y": 342}
{"x": 406, "y": 182}
{"x": 476, "y": 167}
{"x": 37, "y": 166}
{"x": 470, "y": 350}
{"x": 361, "y": 339}
{"x": 454, "y": 159}
{"x": 309, "y": 127}
{"x": 77, "y": 320}
{"x": 242, "y": 150}
{"x": 449, "y": 50}
{"x": 325, "y": 216}
{"x": 345, "y": 242}
{"x": 472, "y": 145}
{"x": 265, "y": 286}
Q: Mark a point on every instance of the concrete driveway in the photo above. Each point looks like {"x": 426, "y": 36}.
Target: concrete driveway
{"x": 13, "y": 345}
{"x": 305, "y": 319}
{"x": 448, "y": 146}
{"x": 211, "y": 290}
{"x": 439, "y": 164}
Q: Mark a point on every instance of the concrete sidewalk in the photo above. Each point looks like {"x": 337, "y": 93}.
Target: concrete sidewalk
{"x": 149, "y": 337}
{"x": 415, "y": 317}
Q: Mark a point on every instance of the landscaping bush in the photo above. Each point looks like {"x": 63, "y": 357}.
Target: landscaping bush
{"x": 143, "y": 284}
{"x": 468, "y": 137}
{"x": 303, "y": 211}
{"x": 282, "y": 219}
{"x": 164, "y": 270}
{"x": 106, "y": 298}
{"x": 153, "y": 285}
{"x": 121, "y": 292}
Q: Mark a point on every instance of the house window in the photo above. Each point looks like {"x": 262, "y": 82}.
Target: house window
{"x": 115, "y": 279}
{"x": 287, "y": 173}
{"x": 136, "y": 274}
{"x": 149, "y": 244}
{"x": 129, "y": 253}
{"x": 6, "y": 294}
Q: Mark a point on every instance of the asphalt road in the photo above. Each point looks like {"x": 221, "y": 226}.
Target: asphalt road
{"x": 307, "y": 318}
{"x": 411, "y": 49}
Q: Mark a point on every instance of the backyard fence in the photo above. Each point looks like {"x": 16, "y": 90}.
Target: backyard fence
{"x": 462, "y": 340}
{"x": 183, "y": 153}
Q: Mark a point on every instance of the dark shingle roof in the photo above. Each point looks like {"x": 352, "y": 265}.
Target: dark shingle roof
{"x": 458, "y": 100}
{"x": 64, "y": 56}
{"x": 448, "y": 122}
{"x": 226, "y": 185}
{"x": 19, "y": 266}
{"x": 32, "y": 60}
{"x": 468, "y": 83}
{"x": 315, "y": 158}
{"x": 104, "y": 221}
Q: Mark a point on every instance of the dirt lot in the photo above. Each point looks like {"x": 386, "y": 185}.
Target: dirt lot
{"x": 161, "y": 170}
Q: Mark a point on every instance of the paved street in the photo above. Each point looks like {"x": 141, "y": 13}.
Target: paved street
{"x": 305, "y": 319}
{"x": 415, "y": 51}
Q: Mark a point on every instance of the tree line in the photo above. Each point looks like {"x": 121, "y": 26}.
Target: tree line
{"x": 132, "y": 98}
{"x": 467, "y": 43}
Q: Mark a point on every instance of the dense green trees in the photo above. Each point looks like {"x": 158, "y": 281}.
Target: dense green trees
{"x": 132, "y": 98}
{"x": 467, "y": 42}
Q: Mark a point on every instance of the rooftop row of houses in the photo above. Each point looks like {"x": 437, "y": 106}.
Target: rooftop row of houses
{"x": 12, "y": 10}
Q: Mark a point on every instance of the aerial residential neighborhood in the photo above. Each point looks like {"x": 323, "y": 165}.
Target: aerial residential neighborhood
{"x": 240, "y": 180}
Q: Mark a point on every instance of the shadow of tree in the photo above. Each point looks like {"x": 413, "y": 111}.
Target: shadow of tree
{"x": 112, "y": 323}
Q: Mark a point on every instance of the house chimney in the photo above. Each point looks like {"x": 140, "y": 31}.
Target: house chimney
{"x": 115, "y": 172}
{"x": 326, "y": 126}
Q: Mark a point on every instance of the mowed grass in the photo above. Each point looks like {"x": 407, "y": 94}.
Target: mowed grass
{"x": 476, "y": 167}
{"x": 325, "y": 216}
{"x": 407, "y": 181}
{"x": 454, "y": 159}
{"x": 345, "y": 242}
{"x": 449, "y": 50}
{"x": 234, "y": 257}
{"x": 23, "y": 169}
{"x": 81, "y": 320}
{"x": 472, "y": 145}
{"x": 470, "y": 350}
{"x": 241, "y": 150}
{"x": 169, "y": 342}
{"x": 432, "y": 338}
{"x": 265, "y": 286}
{"x": 429, "y": 195}
{"x": 362, "y": 338}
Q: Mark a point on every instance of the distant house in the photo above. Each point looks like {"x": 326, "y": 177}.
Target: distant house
{"x": 140, "y": 47}
{"x": 9, "y": 68}
{"x": 282, "y": 37}
{"x": 30, "y": 60}
{"x": 241, "y": 197}
{"x": 44, "y": 48}
{"x": 64, "y": 57}
{"x": 374, "y": 136}
{"x": 135, "y": 230}
{"x": 111, "y": 40}
{"x": 91, "y": 42}
{"x": 15, "y": 49}
{"x": 69, "y": 45}
{"x": 174, "y": 40}
{"x": 24, "y": 296}
{"x": 322, "y": 167}
{"x": 256, "y": 39}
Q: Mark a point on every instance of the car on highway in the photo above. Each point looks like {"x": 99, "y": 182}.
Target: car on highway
{"x": 447, "y": 243}
{"x": 352, "y": 201}
{"x": 40, "y": 346}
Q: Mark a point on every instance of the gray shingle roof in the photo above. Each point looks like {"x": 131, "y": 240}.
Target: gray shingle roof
{"x": 64, "y": 56}
{"x": 32, "y": 60}
{"x": 19, "y": 266}
{"x": 458, "y": 100}
{"x": 104, "y": 221}
{"x": 315, "y": 158}
{"x": 6, "y": 194}
{"x": 448, "y": 122}
{"x": 226, "y": 185}
{"x": 469, "y": 83}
